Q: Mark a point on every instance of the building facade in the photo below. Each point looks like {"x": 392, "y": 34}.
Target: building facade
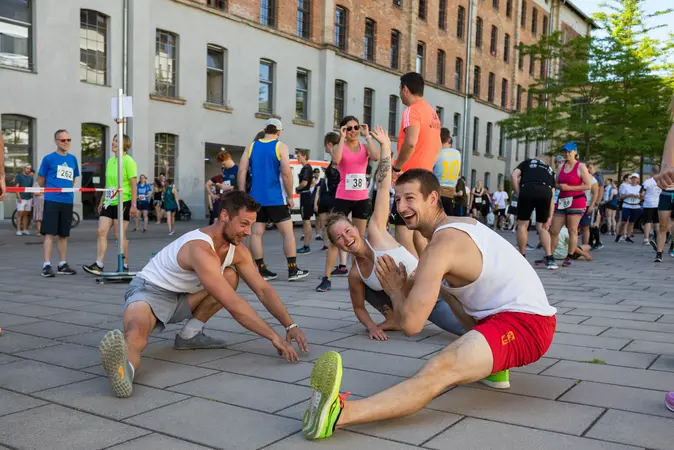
{"x": 206, "y": 74}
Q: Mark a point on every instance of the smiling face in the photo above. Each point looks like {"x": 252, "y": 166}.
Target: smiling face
{"x": 414, "y": 209}
{"x": 352, "y": 135}
{"x": 346, "y": 236}
{"x": 236, "y": 228}
{"x": 569, "y": 156}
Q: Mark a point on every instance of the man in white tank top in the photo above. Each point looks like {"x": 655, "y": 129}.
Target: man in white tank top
{"x": 193, "y": 278}
{"x": 492, "y": 289}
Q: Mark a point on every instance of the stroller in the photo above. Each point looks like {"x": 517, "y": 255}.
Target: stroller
{"x": 184, "y": 214}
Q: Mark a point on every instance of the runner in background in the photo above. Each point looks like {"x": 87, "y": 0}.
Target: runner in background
{"x": 419, "y": 144}
{"x": 447, "y": 169}
{"x": 476, "y": 195}
{"x": 305, "y": 178}
{"x": 144, "y": 199}
{"x": 461, "y": 198}
{"x": 157, "y": 195}
{"x": 170, "y": 204}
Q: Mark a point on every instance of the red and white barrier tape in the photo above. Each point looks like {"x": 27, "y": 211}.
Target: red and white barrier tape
{"x": 39, "y": 190}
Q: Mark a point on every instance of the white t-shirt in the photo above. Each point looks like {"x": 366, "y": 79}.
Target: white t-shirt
{"x": 500, "y": 198}
{"x": 652, "y": 193}
{"x": 632, "y": 202}
{"x": 588, "y": 192}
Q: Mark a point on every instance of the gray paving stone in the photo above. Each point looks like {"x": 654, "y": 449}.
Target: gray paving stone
{"x": 362, "y": 383}
{"x": 157, "y": 441}
{"x": 67, "y": 355}
{"x": 597, "y": 306}
{"x": 590, "y": 341}
{"x": 17, "y": 342}
{"x": 225, "y": 324}
{"x": 82, "y": 318}
{"x": 649, "y": 379}
{"x": 322, "y": 324}
{"x": 271, "y": 368}
{"x": 580, "y": 329}
{"x": 564, "y": 318}
{"x": 324, "y": 313}
{"x": 32, "y": 376}
{"x": 612, "y": 357}
{"x": 614, "y": 314}
{"x": 5, "y": 358}
{"x": 341, "y": 440}
{"x": 161, "y": 374}
{"x": 249, "y": 392}
{"x": 64, "y": 304}
{"x": 50, "y": 329}
{"x": 391, "y": 347}
{"x": 535, "y": 367}
{"x": 13, "y": 320}
{"x": 618, "y": 397}
{"x": 517, "y": 410}
{"x": 667, "y": 318}
{"x": 93, "y": 339}
{"x": 104, "y": 308}
{"x": 316, "y": 336}
{"x": 630, "y": 324}
{"x": 476, "y": 434}
{"x": 653, "y": 336}
{"x": 95, "y": 396}
{"x": 345, "y": 303}
{"x": 533, "y": 385}
{"x": 217, "y": 424}
{"x": 35, "y": 310}
{"x": 657, "y": 348}
{"x": 164, "y": 351}
{"x": 11, "y": 402}
{"x": 261, "y": 346}
{"x": 387, "y": 364}
{"x": 55, "y": 427}
{"x": 655, "y": 310}
{"x": 635, "y": 429}
{"x": 665, "y": 363}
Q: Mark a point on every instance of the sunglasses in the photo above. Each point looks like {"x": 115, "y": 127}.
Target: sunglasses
{"x": 65, "y": 140}
{"x": 356, "y": 128}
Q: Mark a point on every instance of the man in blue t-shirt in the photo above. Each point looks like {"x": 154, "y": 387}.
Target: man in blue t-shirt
{"x": 59, "y": 169}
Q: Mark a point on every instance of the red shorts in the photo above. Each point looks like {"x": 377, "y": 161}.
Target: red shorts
{"x": 517, "y": 339}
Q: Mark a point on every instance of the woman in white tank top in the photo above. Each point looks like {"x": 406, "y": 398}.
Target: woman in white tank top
{"x": 363, "y": 283}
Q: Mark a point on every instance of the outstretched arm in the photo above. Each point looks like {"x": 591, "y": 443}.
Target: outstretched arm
{"x": 383, "y": 179}
{"x": 666, "y": 177}
{"x": 515, "y": 180}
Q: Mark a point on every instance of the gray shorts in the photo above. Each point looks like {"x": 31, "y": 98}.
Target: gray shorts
{"x": 168, "y": 307}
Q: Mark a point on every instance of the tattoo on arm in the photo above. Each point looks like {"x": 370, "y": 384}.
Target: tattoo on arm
{"x": 383, "y": 169}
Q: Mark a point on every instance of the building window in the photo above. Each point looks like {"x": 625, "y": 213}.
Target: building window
{"x": 460, "y": 21}
{"x": 494, "y": 4}
{"x": 458, "y": 74}
{"x": 534, "y": 21}
{"x": 523, "y": 19}
{"x": 518, "y": 104}
{"x": 504, "y": 93}
{"x": 545, "y": 25}
{"x": 538, "y": 147}
{"x": 493, "y": 42}
{"x": 501, "y": 142}
{"x": 532, "y": 65}
{"x": 487, "y": 180}
{"x": 165, "y": 154}
{"x": 456, "y": 127}
{"x": 509, "y": 8}
{"x": 440, "y": 111}
{"x": 266, "y": 95}
{"x": 421, "y": 50}
{"x": 302, "y": 95}
{"x": 506, "y": 48}
{"x": 340, "y": 95}
{"x": 304, "y": 18}
{"x": 16, "y": 34}
{"x": 165, "y": 64}
{"x": 473, "y": 178}
{"x": 441, "y": 68}
{"x": 368, "y": 101}
{"x": 369, "y": 44}
{"x": 17, "y": 132}
{"x": 392, "y": 115}
{"x": 217, "y": 4}
{"x": 442, "y": 14}
{"x": 422, "y": 9}
{"x": 526, "y": 147}
{"x": 341, "y": 24}
{"x": 476, "y": 133}
{"x": 398, "y": 3}
{"x": 543, "y": 66}
{"x": 487, "y": 149}
{"x": 530, "y": 100}
{"x": 93, "y": 47}
{"x": 93, "y": 144}
{"x": 500, "y": 180}
{"x": 395, "y": 49}
{"x": 478, "y": 32}
{"x": 520, "y": 61}
{"x": 491, "y": 82}
{"x": 476, "y": 81}
{"x": 268, "y": 12}
{"x": 517, "y": 150}
{"x": 215, "y": 75}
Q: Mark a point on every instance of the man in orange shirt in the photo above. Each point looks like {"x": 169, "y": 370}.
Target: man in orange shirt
{"x": 418, "y": 147}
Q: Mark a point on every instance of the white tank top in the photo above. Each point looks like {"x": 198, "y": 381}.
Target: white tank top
{"x": 507, "y": 281}
{"x": 164, "y": 271}
{"x": 399, "y": 255}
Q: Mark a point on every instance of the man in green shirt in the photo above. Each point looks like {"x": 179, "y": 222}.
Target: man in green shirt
{"x": 107, "y": 207}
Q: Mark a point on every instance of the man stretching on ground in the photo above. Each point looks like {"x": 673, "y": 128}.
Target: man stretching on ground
{"x": 501, "y": 301}
{"x": 193, "y": 278}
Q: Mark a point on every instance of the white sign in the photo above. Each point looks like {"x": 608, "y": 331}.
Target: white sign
{"x": 127, "y": 107}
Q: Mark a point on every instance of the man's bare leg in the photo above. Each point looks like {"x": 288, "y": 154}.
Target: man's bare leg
{"x": 522, "y": 235}
{"x": 405, "y": 237}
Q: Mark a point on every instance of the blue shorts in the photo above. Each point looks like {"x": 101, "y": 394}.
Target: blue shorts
{"x": 666, "y": 202}
{"x": 631, "y": 215}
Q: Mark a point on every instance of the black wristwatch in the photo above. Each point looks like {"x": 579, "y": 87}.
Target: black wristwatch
{"x": 393, "y": 168}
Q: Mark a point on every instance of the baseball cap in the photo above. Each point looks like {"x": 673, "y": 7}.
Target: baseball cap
{"x": 275, "y": 122}
{"x": 559, "y": 158}
{"x": 570, "y": 147}
{"x": 634, "y": 175}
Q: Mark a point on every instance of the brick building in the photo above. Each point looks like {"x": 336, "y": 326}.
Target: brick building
{"x": 205, "y": 74}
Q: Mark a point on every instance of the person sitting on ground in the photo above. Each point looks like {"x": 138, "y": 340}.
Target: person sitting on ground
{"x": 192, "y": 279}
{"x": 582, "y": 251}
{"x": 497, "y": 296}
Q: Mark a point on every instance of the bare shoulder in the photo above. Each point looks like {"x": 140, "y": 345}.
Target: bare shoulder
{"x": 194, "y": 251}
{"x": 241, "y": 254}
{"x": 380, "y": 238}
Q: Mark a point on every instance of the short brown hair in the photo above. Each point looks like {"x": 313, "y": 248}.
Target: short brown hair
{"x": 303, "y": 152}
{"x": 427, "y": 181}
{"x": 127, "y": 142}
{"x": 331, "y": 220}
{"x": 234, "y": 201}
{"x": 331, "y": 138}
{"x": 223, "y": 156}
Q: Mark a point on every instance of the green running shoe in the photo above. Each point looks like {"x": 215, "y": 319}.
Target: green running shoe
{"x": 326, "y": 402}
{"x": 499, "y": 380}
{"x": 115, "y": 362}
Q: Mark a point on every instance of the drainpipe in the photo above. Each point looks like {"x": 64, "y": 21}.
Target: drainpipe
{"x": 466, "y": 100}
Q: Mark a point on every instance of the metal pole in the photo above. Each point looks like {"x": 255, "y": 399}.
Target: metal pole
{"x": 466, "y": 100}
{"x": 125, "y": 50}
{"x": 120, "y": 172}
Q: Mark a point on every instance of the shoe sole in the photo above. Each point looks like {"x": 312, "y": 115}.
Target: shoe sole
{"x": 323, "y": 290}
{"x": 114, "y": 358}
{"x": 669, "y": 407}
{"x": 298, "y": 277}
{"x": 496, "y": 384}
{"x": 51, "y": 275}
{"x": 270, "y": 278}
{"x": 66, "y": 273}
{"x": 555, "y": 267}
{"x": 91, "y": 272}
{"x": 326, "y": 378}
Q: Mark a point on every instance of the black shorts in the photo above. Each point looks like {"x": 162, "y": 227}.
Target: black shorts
{"x": 111, "y": 211}
{"x": 143, "y": 206}
{"x": 500, "y": 212}
{"x": 448, "y": 205}
{"x": 651, "y": 215}
{"x": 273, "y": 214}
{"x": 306, "y": 206}
{"x": 359, "y": 209}
{"x": 379, "y": 300}
{"x": 57, "y": 218}
{"x": 534, "y": 197}
{"x": 326, "y": 207}
{"x": 512, "y": 210}
{"x": 666, "y": 202}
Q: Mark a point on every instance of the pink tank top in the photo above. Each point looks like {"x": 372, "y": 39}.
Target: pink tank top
{"x": 352, "y": 182}
{"x": 572, "y": 179}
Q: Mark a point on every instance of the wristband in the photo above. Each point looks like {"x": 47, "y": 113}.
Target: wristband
{"x": 368, "y": 137}
{"x": 290, "y": 327}
{"x": 395, "y": 169}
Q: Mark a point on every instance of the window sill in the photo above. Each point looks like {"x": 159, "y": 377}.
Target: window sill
{"x": 501, "y": 158}
{"x": 303, "y": 123}
{"x": 96, "y": 84}
{"x": 260, "y": 115}
{"x": 17, "y": 69}
{"x": 174, "y": 100}
{"x": 216, "y": 107}
{"x": 393, "y": 138}
{"x": 476, "y": 153}
{"x": 488, "y": 155}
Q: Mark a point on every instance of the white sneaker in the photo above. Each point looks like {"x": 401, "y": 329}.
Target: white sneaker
{"x": 647, "y": 242}
{"x": 19, "y": 233}
{"x": 26, "y": 233}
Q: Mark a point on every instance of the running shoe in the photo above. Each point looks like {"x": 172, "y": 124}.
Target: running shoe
{"x": 304, "y": 250}
{"x": 267, "y": 274}
{"x": 318, "y": 238}
{"x": 116, "y": 364}
{"x": 199, "y": 341}
{"x": 93, "y": 269}
{"x": 339, "y": 270}
{"x": 48, "y": 272}
{"x": 530, "y": 247}
{"x": 295, "y": 274}
{"x": 654, "y": 245}
{"x": 171, "y": 232}
{"x": 658, "y": 257}
{"x": 669, "y": 401}
{"x": 629, "y": 239}
{"x": 671, "y": 252}
{"x": 325, "y": 285}
{"x": 596, "y": 247}
{"x": 64, "y": 269}
{"x": 326, "y": 402}
{"x": 25, "y": 233}
{"x": 551, "y": 264}
{"x": 499, "y": 380}
{"x": 618, "y": 238}
{"x": 567, "y": 262}
{"x": 541, "y": 262}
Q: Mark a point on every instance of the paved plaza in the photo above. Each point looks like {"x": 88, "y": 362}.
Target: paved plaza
{"x": 600, "y": 386}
